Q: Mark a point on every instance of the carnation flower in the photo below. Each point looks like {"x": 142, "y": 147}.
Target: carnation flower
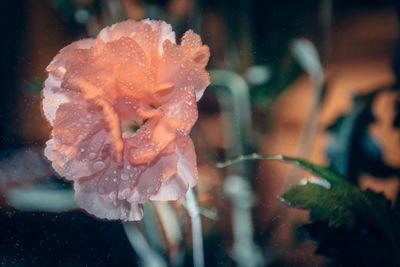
{"x": 121, "y": 107}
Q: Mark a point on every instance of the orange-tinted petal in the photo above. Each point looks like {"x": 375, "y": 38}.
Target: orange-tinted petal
{"x": 186, "y": 175}
{"x": 122, "y": 107}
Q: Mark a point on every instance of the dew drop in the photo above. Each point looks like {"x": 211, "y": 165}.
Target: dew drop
{"x": 149, "y": 190}
{"x": 124, "y": 176}
{"x": 99, "y": 165}
{"x": 112, "y": 195}
{"x": 125, "y": 193}
{"x": 92, "y": 155}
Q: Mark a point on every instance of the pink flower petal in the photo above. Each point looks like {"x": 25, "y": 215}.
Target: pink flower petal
{"x": 185, "y": 177}
{"x": 122, "y": 107}
{"x": 105, "y": 207}
{"x": 148, "y": 33}
{"x": 184, "y": 65}
{"x": 59, "y": 64}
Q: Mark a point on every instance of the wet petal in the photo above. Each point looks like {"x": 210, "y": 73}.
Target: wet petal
{"x": 184, "y": 65}
{"x": 52, "y": 97}
{"x": 122, "y": 107}
{"x": 59, "y": 64}
{"x": 148, "y": 33}
{"x": 181, "y": 111}
{"x": 185, "y": 176}
{"x": 105, "y": 207}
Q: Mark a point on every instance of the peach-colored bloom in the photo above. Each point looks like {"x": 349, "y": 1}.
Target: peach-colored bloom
{"x": 121, "y": 107}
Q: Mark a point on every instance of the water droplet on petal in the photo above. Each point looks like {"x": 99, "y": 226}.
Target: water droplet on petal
{"x": 92, "y": 155}
{"x": 124, "y": 176}
{"x": 99, "y": 165}
{"x": 150, "y": 189}
{"x": 125, "y": 192}
{"x": 112, "y": 195}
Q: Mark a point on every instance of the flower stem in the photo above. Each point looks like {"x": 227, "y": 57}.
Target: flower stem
{"x": 197, "y": 233}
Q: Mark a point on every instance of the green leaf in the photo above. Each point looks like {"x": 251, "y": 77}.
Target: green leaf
{"x": 342, "y": 205}
{"x": 334, "y": 178}
{"x": 324, "y": 204}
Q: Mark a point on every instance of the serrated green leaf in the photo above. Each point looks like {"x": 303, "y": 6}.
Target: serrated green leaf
{"x": 343, "y": 205}
{"x": 324, "y": 204}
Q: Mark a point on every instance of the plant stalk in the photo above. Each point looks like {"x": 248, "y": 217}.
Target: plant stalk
{"x": 197, "y": 232}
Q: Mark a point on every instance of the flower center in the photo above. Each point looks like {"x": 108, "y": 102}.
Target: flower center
{"x": 129, "y": 128}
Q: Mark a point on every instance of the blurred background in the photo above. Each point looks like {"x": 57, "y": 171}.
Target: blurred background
{"x": 318, "y": 79}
